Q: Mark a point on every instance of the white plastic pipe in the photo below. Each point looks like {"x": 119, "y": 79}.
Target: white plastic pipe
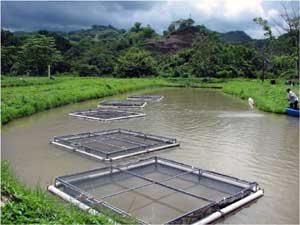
{"x": 72, "y": 200}
{"x": 229, "y": 208}
{"x": 75, "y": 202}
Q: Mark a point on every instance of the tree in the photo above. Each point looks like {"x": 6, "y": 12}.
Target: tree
{"x": 8, "y": 38}
{"x": 291, "y": 25}
{"x": 85, "y": 70}
{"x": 148, "y": 32}
{"x": 36, "y": 54}
{"x": 265, "y": 50}
{"x": 204, "y": 61}
{"x": 136, "y": 63}
{"x": 61, "y": 43}
{"x": 136, "y": 28}
{"x": 9, "y": 48}
{"x": 171, "y": 28}
{"x": 8, "y": 58}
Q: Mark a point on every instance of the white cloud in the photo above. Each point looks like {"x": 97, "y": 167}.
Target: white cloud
{"x": 229, "y": 9}
{"x": 219, "y": 15}
{"x": 255, "y": 32}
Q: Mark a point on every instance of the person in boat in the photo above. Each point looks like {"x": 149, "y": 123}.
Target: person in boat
{"x": 292, "y": 98}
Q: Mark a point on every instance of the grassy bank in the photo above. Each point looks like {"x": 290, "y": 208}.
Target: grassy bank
{"x": 269, "y": 98}
{"x": 24, "y": 205}
{"x": 25, "y": 100}
{"x": 37, "y": 94}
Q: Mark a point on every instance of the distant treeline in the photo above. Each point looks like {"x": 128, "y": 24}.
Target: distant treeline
{"x": 107, "y": 51}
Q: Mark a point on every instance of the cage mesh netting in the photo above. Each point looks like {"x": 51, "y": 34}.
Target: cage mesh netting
{"x": 123, "y": 103}
{"x": 145, "y": 97}
{"x": 103, "y": 114}
{"x": 114, "y": 144}
{"x": 156, "y": 190}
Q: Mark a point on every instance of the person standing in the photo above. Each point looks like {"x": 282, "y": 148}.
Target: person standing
{"x": 292, "y": 98}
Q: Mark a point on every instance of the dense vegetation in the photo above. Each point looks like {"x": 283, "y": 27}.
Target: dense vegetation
{"x": 184, "y": 50}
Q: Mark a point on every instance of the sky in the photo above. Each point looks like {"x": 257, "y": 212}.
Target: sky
{"x": 218, "y": 15}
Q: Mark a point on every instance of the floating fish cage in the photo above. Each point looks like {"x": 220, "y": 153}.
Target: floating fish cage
{"x": 145, "y": 97}
{"x": 123, "y": 103}
{"x": 157, "y": 191}
{"x": 113, "y": 144}
{"x": 103, "y": 114}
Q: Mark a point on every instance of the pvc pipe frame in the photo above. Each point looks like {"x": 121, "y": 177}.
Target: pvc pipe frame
{"x": 230, "y": 208}
{"x": 122, "y": 106}
{"x": 75, "y": 202}
{"x": 105, "y": 120}
{"x": 117, "y": 157}
{"x": 205, "y": 220}
{"x": 145, "y": 99}
{"x": 72, "y": 200}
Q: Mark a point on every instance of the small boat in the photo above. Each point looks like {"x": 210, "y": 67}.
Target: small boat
{"x": 292, "y": 112}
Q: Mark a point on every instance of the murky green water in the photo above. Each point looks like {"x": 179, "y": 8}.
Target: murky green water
{"x": 216, "y": 132}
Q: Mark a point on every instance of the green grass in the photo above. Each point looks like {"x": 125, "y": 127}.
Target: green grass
{"x": 26, "y": 81}
{"x": 25, "y": 205}
{"x": 25, "y": 100}
{"x": 267, "y": 97}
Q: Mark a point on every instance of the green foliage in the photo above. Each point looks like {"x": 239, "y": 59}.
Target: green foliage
{"x": 179, "y": 25}
{"x": 212, "y": 58}
{"x": 8, "y": 58}
{"x": 136, "y": 63}
{"x": 61, "y": 43}
{"x": 86, "y": 70}
{"x": 26, "y": 205}
{"x": 8, "y": 38}
{"x": 105, "y": 50}
{"x": 36, "y": 54}
{"x": 136, "y": 28}
{"x": 235, "y": 37}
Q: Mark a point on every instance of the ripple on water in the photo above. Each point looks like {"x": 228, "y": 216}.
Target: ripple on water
{"x": 242, "y": 114}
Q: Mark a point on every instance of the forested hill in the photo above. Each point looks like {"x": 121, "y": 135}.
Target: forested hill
{"x": 166, "y": 43}
{"x": 184, "y": 49}
{"x": 96, "y": 32}
{"x": 235, "y": 37}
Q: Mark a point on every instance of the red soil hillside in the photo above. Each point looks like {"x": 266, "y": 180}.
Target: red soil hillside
{"x": 174, "y": 42}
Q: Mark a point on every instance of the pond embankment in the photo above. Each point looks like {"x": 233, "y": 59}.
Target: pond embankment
{"x": 33, "y": 95}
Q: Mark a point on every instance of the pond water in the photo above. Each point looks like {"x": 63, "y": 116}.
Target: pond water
{"x": 216, "y": 132}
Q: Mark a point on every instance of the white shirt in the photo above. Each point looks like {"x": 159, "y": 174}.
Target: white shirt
{"x": 292, "y": 97}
